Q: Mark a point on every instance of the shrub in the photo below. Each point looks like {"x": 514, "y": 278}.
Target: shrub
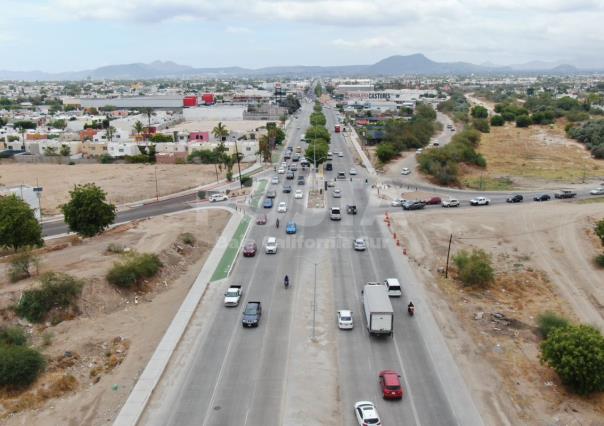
{"x": 481, "y": 124}
{"x": 13, "y": 336}
{"x": 246, "y": 181}
{"x": 599, "y": 230}
{"x": 115, "y": 248}
{"x": 188, "y": 238}
{"x": 57, "y": 291}
{"x": 577, "y": 355}
{"x": 20, "y": 366}
{"x": 130, "y": 272}
{"x": 19, "y": 266}
{"x": 550, "y": 321}
{"x": 497, "y": 120}
{"x": 385, "y": 152}
{"x": 229, "y": 176}
{"x": 523, "y": 121}
{"x": 474, "y": 268}
{"x": 105, "y": 159}
{"x": 599, "y": 260}
{"x": 479, "y": 112}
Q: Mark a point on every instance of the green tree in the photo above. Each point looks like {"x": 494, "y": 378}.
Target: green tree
{"x": 523, "y": 121}
{"x": 316, "y": 151}
{"x": 386, "y": 152}
{"x": 18, "y": 225}
{"x": 577, "y": 355}
{"x": 599, "y": 229}
{"x": 50, "y": 151}
{"x": 479, "y": 112}
{"x": 65, "y": 151}
{"x": 481, "y": 124}
{"x": 497, "y": 120}
{"x": 59, "y": 124}
{"x": 264, "y": 148}
{"x": 20, "y": 366}
{"x": 474, "y": 268}
{"x": 87, "y": 211}
{"x": 138, "y": 127}
{"x": 318, "y": 119}
{"x": 317, "y": 132}
{"x": 220, "y": 132}
{"x": 425, "y": 111}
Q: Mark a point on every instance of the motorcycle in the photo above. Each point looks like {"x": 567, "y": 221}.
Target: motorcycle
{"x": 410, "y": 309}
{"x": 286, "y": 282}
{"x": 277, "y": 223}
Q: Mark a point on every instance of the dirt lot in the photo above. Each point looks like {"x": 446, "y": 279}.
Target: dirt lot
{"x": 532, "y": 157}
{"x": 123, "y": 182}
{"x": 95, "y": 359}
{"x": 543, "y": 262}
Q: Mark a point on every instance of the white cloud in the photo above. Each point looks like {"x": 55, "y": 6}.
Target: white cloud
{"x": 237, "y": 30}
{"x": 366, "y": 43}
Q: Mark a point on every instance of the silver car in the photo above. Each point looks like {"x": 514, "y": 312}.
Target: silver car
{"x": 359, "y": 244}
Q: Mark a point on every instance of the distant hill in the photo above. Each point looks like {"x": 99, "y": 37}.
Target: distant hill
{"x": 415, "y": 64}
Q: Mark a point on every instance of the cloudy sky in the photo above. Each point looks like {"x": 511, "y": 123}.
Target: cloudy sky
{"x": 69, "y": 35}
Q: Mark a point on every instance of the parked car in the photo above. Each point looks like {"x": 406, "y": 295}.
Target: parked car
{"x": 359, "y": 244}
{"x": 367, "y": 414}
{"x": 434, "y": 200}
{"x": 261, "y": 219}
{"x": 299, "y": 194}
{"x": 451, "y": 202}
{"x": 218, "y": 197}
{"x": 597, "y": 191}
{"x": 542, "y": 197}
{"x": 413, "y": 205}
{"x": 391, "y": 384}
{"x": 287, "y": 189}
{"x": 271, "y": 193}
{"x": 270, "y": 247}
{"x": 252, "y": 314}
{"x": 268, "y": 203}
{"x": 249, "y": 249}
{"x": 397, "y": 202}
{"x": 291, "y": 227}
{"x": 282, "y": 208}
{"x": 337, "y": 193}
{"x": 405, "y": 171}
{"x": 345, "y": 319}
{"x": 516, "y": 198}
{"x": 480, "y": 201}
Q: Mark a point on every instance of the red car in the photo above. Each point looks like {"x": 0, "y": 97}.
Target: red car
{"x": 391, "y": 384}
{"x": 249, "y": 249}
{"x": 433, "y": 200}
{"x": 261, "y": 219}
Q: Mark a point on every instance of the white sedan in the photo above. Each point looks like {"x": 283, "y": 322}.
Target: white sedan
{"x": 397, "y": 202}
{"x": 405, "y": 171}
{"x": 597, "y": 191}
{"x": 345, "y": 319}
{"x": 218, "y": 197}
{"x": 282, "y": 207}
{"x": 275, "y": 180}
{"x": 367, "y": 414}
{"x": 337, "y": 193}
{"x": 281, "y": 170}
{"x": 340, "y": 154}
{"x": 359, "y": 244}
{"x": 299, "y": 194}
{"x": 352, "y": 172}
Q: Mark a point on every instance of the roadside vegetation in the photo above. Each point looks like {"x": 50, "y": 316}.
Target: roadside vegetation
{"x": 21, "y": 264}
{"x": 19, "y": 227}
{"x": 457, "y": 106}
{"x": 88, "y": 213}
{"x": 20, "y": 365}
{"x": 591, "y": 134}
{"x": 131, "y": 272}
{"x": 317, "y": 136}
{"x": 474, "y": 268}
{"x": 599, "y": 230}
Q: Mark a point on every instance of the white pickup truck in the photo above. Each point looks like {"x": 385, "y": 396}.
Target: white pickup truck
{"x": 480, "y": 201}
{"x": 232, "y": 295}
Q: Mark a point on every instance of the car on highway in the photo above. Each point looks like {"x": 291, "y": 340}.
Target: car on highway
{"x": 341, "y": 176}
{"x": 516, "y": 198}
{"x": 252, "y": 314}
{"x": 301, "y": 180}
{"x": 565, "y": 193}
{"x": 268, "y": 203}
{"x": 433, "y": 201}
{"x": 390, "y": 383}
{"x": 275, "y": 180}
{"x": 345, "y": 319}
{"x": 281, "y": 170}
{"x": 331, "y": 183}
{"x": 337, "y": 193}
{"x": 270, "y": 247}
{"x": 291, "y": 227}
{"x": 289, "y": 175}
{"x": 335, "y": 213}
{"x": 480, "y": 201}
{"x": 218, "y": 197}
{"x": 451, "y": 202}
{"x": 328, "y": 167}
{"x": 293, "y": 167}
{"x": 261, "y": 219}
{"x": 542, "y": 197}
{"x": 282, "y": 208}
{"x": 397, "y": 202}
{"x": 359, "y": 244}
{"x": 352, "y": 172}
{"x": 405, "y": 171}
{"x": 340, "y": 154}
{"x": 249, "y": 249}
{"x": 298, "y": 194}
{"x": 597, "y": 191}
{"x": 287, "y": 189}
{"x": 271, "y": 193}
{"x": 413, "y": 205}
{"x": 367, "y": 414}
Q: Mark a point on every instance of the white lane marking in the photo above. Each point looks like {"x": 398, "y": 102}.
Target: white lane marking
{"x": 409, "y": 393}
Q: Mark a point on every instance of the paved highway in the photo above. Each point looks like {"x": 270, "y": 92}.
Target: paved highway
{"x": 237, "y": 376}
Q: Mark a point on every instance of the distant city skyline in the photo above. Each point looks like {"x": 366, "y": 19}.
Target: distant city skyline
{"x": 73, "y": 35}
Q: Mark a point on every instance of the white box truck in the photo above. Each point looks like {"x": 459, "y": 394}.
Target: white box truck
{"x": 378, "y": 309}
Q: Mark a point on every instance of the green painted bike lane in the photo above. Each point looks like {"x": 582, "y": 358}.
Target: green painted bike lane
{"x": 224, "y": 266}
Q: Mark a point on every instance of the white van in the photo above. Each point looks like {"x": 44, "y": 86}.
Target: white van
{"x": 393, "y": 286}
{"x": 335, "y": 213}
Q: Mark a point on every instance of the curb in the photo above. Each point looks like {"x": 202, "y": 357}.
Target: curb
{"x": 133, "y": 408}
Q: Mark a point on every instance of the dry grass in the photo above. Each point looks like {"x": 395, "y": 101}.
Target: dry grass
{"x": 537, "y": 152}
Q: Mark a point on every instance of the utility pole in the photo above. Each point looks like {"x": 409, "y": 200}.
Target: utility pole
{"x": 448, "y": 253}
{"x": 238, "y": 165}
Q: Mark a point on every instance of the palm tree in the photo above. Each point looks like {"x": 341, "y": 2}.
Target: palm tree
{"x": 138, "y": 127}
{"x": 220, "y": 132}
{"x": 148, "y": 111}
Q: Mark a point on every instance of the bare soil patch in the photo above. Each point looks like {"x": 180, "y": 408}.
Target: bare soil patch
{"x": 531, "y": 157}
{"x": 123, "y": 183}
{"x": 543, "y": 258}
{"x": 95, "y": 359}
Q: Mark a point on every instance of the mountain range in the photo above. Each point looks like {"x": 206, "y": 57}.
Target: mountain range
{"x": 416, "y": 64}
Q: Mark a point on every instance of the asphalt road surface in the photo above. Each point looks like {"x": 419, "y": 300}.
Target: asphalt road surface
{"x": 237, "y": 376}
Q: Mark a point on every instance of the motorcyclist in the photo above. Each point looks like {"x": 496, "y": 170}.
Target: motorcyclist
{"x": 411, "y": 308}
{"x": 286, "y": 281}
{"x": 277, "y": 223}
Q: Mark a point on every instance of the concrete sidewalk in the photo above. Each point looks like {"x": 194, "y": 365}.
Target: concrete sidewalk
{"x": 354, "y": 139}
{"x": 132, "y": 410}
